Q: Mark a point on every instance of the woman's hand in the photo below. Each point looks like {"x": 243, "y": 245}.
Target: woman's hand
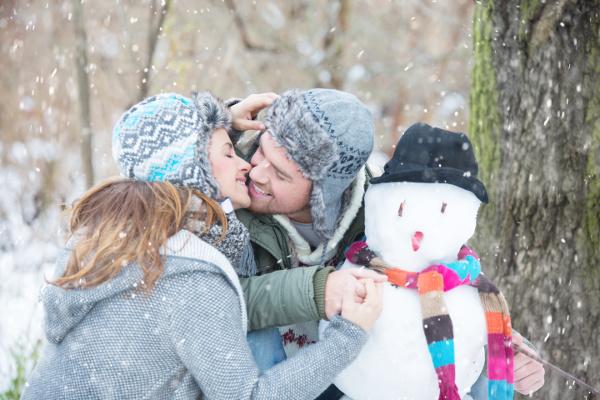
{"x": 244, "y": 112}
{"x": 366, "y": 313}
{"x": 337, "y": 283}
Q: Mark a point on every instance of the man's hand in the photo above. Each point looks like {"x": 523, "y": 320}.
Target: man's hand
{"x": 244, "y": 112}
{"x": 338, "y": 281}
{"x": 529, "y": 374}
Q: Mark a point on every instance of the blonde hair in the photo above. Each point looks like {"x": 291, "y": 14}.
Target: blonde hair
{"x": 120, "y": 221}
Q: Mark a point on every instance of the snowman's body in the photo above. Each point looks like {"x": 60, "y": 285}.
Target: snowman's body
{"x": 395, "y": 363}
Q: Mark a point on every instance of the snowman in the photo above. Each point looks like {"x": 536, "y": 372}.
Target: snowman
{"x": 440, "y": 313}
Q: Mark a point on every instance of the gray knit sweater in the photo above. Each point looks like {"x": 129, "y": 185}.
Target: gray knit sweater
{"x": 185, "y": 339}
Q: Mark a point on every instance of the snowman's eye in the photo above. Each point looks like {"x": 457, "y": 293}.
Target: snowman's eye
{"x": 443, "y": 210}
{"x": 401, "y": 209}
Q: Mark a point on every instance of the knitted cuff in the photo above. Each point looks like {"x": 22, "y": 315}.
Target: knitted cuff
{"x": 353, "y": 331}
{"x": 319, "y": 281}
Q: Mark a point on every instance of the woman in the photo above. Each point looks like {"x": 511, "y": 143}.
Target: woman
{"x": 146, "y": 302}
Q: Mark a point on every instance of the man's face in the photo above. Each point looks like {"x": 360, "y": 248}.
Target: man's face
{"x": 277, "y": 186}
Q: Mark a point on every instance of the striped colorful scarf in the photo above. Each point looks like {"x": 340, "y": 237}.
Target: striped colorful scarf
{"x": 431, "y": 283}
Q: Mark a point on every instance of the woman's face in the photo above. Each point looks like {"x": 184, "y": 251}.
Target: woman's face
{"x": 228, "y": 169}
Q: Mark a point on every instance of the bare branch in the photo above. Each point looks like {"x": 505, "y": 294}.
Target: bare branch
{"x": 241, "y": 27}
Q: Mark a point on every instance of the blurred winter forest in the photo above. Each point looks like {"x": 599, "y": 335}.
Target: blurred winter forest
{"x": 71, "y": 67}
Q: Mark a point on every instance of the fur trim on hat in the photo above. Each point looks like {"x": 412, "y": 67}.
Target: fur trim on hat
{"x": 213, "y": 115}
{"x": 318, "y": 211}
{"x": 213, "y": 111}
{"x": 296, "y": 129}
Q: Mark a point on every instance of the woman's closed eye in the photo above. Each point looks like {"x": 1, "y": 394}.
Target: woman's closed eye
{"x": 228, "y": 150}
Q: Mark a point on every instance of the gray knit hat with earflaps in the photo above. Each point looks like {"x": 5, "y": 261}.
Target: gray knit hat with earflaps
{"x": 166, "y": 137}
{"x": 329, "y": 134}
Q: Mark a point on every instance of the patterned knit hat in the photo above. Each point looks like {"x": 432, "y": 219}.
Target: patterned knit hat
{"x": 166, "y": 137}
{"x": 329, "y": 134}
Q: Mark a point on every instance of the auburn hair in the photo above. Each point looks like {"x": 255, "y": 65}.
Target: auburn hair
{"x": 120, "y": 221}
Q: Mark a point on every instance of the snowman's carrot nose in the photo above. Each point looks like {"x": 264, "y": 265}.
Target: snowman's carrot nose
{"x": 416, "y": 240}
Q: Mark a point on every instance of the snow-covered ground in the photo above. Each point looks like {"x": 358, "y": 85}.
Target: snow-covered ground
{"x": 29, "y": 241}
{"x": 21, "y": 314}
{"x": 21, "y": 321}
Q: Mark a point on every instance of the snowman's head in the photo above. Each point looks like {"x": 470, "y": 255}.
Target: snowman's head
{"x": 413, "y": 225}
{"x": 424, "y": 205}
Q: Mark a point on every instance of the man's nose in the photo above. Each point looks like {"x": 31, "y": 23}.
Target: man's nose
{"x": 257, "y": 173}
{"x": 256, "y": 159}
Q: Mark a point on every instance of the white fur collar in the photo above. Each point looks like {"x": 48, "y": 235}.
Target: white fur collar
{"x": 303, "y": 248}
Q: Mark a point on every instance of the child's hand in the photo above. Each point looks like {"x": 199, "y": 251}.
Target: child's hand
{"x": 366, "y": 313}
{"x": 244, "y": 112}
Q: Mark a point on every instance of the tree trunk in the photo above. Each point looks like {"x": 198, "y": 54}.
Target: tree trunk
{"x": 83, "y": 87}
{"x": 535, "y": 124}
{"x": 154, "y": 30}
{"x": 334, "y": 44}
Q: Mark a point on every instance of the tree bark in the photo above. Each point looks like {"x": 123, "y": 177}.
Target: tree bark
{"x": 83, "y": 87}
{"x": 535, "y": 125}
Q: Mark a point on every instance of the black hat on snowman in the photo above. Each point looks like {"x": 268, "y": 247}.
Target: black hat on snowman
{"x": 433, "y": 155}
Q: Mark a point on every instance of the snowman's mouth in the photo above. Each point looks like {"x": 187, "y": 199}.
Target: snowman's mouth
{"x": 416, "y": 240}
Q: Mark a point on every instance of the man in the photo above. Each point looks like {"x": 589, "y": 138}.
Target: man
{"x": 308, "y": 197}
{"x": 308, "y": 176}
{"x": 307, "y": 182}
